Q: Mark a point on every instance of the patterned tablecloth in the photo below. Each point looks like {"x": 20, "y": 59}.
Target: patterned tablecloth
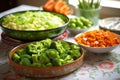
{"x": 95, "y": 66}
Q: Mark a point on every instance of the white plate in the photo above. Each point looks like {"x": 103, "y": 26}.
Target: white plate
{"x": 112, "y": 23}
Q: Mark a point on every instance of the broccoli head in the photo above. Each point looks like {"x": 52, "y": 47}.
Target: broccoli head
{"x": 35, "y": 48}
{"x": 58, "y": 46}
{"x": 49, "y": 64}
{"x": 68, "y": 59}
{"x": 36, "y": 65}
{"x": 56, "y": 62}
{"x": 25, "y": 56}
{"x": 43, "y": 58}
{"x": 75, "y": 54}
{"x": 35, "y": 58}
{"x": 46, "y": 42}
{"x": 16, "y": 58}
{"x": 21, "y": 51}
{"x": 25, "y": 62}
{"x": 52, "y": 53}
{"x": 65, "y": 45}
{"x": 63, "y": 55}
{"x": 74, "y": 46}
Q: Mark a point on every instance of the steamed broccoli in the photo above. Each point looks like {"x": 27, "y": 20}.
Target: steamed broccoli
{"x": 52, "y": 53}
{"x": 75, "y": 54}
{"x": 36, "y": 65}
{"x": 68, "y": 59}
{"x": 65, "y": 45}
{"x": 74, "y": 46}
{"x": 56, "y": 62}
{"x": 64, "y": 55}
{"x": 46, "y": 42}
{"x": 35, "y": 58}
{"x": 21, "y": 51}
{"x": 35, "y": 48}
{"x": 49, "y": 64}
{"x": 25, "y": 56}
{"x": 16, "y": 58}
{"x": 58, "y": 46}
{"x": 46, "y": 53}
{"x": 32, "y": 49}
{"x": 43, "y": 58}
{"x": 25, "y": 61}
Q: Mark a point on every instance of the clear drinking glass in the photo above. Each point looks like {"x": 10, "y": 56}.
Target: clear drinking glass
{"x": 91, "y": 14}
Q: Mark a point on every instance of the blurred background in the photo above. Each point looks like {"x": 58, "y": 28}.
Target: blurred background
{"x": 110, "y": 8}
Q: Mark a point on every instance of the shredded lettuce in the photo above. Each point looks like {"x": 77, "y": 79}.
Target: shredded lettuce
{"x": 30, "y": 20}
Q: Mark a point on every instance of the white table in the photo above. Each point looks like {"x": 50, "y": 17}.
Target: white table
{"x": 95, "y": 66}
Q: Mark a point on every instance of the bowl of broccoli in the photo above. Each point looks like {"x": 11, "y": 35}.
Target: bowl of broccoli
{"x": 46, "y": 58}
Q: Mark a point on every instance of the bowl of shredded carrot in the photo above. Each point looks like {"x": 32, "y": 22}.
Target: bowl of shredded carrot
{"x": 98, "y": 41}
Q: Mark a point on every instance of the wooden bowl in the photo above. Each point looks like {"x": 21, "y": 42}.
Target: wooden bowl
{"x": 44, "y": 72}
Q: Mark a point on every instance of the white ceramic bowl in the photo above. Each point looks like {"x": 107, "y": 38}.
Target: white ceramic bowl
{"x": 96, "y": 49}
{"x": 76, "y": 31}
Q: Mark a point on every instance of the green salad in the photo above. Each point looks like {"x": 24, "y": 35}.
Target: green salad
{"x": 47, "y": 53}
{"x": 32, "y": 20}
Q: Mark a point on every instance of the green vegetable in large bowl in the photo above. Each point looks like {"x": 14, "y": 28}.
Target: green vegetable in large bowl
{"x": 30, "y": 20}
{"x": 79, "y": 23}
{"x": 33, "y": 25}
{"x": 46, "y": 53}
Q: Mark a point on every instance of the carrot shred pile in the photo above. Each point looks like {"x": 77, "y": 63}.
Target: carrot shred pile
{"x": 59, "y": 6}
{"x": 98, "y": 38}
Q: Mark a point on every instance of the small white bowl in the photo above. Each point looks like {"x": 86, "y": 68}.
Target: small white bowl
{"x": 96, "y": 49}
{"x": 76, "y": 31}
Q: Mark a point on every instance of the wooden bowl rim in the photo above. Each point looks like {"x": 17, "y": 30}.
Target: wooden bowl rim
{"x": 41, "y": 68}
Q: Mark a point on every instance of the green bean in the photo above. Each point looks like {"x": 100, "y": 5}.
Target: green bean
{"x": 89, "y": 4}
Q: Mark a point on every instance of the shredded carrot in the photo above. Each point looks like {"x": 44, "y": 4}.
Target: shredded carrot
{"x": 98, "y": 38}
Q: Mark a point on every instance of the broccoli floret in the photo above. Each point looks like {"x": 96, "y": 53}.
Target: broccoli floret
{"x": 35, "y": 58}
{"x": 43, "y": 58}
{"x": 74, "y": 46}
{"x": 35, "y": 48}
{"x": 32, "y": 48}
{"x": 75, "y": 54}
{"x": 25, "y": 56}
{"x": 21, "y": 51}
{"x": 65, "y": 45}
{"x": 25, "y": 61}
{"x": 16, "y": 58}
{"x": 49, "y": 64}
{"x": 52, "y": 53}
{"x": 68, "y": 59}
{"x": 36, "y": 65}
{"x": 46, "y": 42}
{"x": 56, "y": 62}
{"x": 63, "y": 56}
{"x": 58, "y": 46}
